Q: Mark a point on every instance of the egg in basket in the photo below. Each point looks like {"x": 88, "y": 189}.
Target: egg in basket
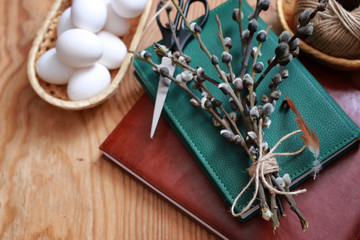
{"x": 79, "y": 55}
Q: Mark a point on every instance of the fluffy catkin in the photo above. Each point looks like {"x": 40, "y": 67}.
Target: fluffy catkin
{"x": 336, "y": 30}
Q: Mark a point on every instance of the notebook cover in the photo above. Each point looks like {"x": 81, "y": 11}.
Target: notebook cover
{"x": 166, "y": 167}
{"x": 225, "y": 164}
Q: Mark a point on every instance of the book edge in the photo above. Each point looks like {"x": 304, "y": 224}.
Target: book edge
{"x": 165, "y": 196}
{"x": 306, "y": 174}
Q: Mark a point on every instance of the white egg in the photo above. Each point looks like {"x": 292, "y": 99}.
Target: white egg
{"x": 79, "y": 48}
{"x": 65, "y": 22}
{"x": 50, "y": 69}
{"x": 88, "y": 14}
{"x": 114, "y": 23}
{"x": 128, "y": 9}
{"x": 114, "y": 50}
{"x": 88, "y": 82}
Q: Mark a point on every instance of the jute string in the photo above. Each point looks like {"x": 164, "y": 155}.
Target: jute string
{"x": 336, "y": 30}
{"x": 266, "y": 164}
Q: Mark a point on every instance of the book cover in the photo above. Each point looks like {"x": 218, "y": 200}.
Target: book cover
{"x": 165, "y": 166}
{"x": 224, "y": 163}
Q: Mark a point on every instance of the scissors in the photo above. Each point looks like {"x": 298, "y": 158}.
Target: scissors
{"x": 183, "y": 35}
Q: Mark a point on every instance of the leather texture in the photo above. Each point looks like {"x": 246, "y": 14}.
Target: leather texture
{"x": 224, "y": 163}
{"x": 331, "y": 203}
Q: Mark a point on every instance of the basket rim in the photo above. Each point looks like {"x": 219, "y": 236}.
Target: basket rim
{"x": 335, "y": 62}
{"x": 101, "y": 97}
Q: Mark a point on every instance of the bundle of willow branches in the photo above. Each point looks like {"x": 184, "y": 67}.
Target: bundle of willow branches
{"x": 246, "y": 109}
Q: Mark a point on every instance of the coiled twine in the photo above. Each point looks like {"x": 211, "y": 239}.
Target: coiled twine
{"x": 336, "y": 30}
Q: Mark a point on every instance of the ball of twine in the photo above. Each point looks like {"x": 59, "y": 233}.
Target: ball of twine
{"x": 336, "y": 30}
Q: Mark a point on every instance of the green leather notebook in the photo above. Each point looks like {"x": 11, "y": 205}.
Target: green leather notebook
{"x": 226, "y": 164}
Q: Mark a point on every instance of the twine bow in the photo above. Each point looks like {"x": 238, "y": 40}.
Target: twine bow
{"x": 265, "y": 165}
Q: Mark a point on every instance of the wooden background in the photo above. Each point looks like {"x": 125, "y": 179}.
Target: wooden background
{"x": 54, "y": 183}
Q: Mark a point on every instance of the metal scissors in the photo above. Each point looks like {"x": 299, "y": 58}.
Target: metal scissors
{"x": 183, "y": 35}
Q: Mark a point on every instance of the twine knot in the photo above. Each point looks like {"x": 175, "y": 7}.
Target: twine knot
{"x": 266, "y": 164}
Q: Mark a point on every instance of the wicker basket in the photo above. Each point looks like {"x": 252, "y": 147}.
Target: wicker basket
{"x": 46, "y": 39}
{"x": 286, "y": 10}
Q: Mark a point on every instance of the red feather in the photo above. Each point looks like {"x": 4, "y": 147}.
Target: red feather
{"x": 310, "y": 138}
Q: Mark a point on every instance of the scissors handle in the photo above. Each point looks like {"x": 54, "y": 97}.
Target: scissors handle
{"x": 183, "y": 34}
{"x": 168, "y": 39}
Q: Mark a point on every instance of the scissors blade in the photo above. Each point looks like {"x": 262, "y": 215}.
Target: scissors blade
{"x": 163, "y": 87}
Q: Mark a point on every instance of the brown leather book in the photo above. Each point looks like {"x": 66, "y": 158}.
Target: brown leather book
{"x": 331, "y": 204}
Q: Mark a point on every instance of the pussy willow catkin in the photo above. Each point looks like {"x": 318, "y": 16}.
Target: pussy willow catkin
{"x": 336, "y": 30}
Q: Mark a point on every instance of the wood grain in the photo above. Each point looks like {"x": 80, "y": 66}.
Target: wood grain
{"x": 54, "y": 183}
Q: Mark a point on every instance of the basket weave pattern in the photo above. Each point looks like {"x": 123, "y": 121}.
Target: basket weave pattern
{"x": 46, "y": 39}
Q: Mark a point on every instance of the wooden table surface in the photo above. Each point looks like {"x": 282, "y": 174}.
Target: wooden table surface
{"x": 54, "y": 182}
